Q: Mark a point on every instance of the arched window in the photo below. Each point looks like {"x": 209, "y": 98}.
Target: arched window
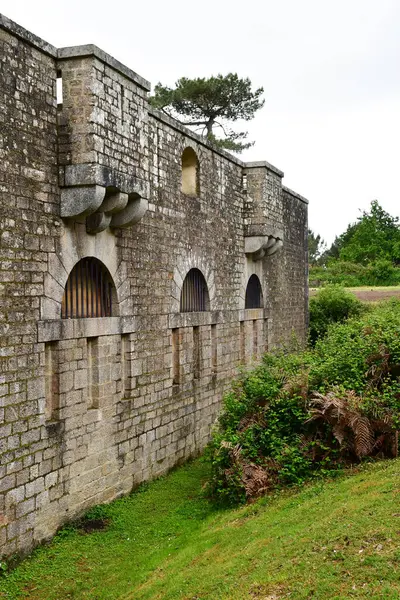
{"x": 90, "y": 291}
{"x": 190, "y": 172}
{"x": 194, "y": 294}
{"x": 254, "y": 297}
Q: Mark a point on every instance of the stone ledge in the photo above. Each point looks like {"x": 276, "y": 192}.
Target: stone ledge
{"x": 92, "y": 50}
{"x": 95, "y": 174}
{"x": 68, "y": 329}
{"x": 294, "y": 194}
{"x": 197, "y": 319}
{"x": 27, "y": 36}
{"x": 260, "y": 164}
{"x": 253, "y": 314}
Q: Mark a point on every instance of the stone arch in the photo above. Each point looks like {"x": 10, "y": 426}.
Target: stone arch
{"x": 194, "y": 293}
{"x": 190, "y": 172}
{"x": 89, "y": 291}
{"x": 254, "y": 295}
{"x": 252, "y": 268}
{"x": 73, "y": 245}
{"x": 185, "y": 264}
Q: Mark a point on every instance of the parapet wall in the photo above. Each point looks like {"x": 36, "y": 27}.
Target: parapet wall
{"x": 90, "y": 407}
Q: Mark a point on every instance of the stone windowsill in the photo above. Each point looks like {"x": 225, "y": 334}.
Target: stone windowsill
{"x": 68, "y": 329}
{"x": 253, "y": 314}
{"x": 196, "y": 319}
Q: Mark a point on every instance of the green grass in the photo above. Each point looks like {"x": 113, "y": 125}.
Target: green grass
{"x": 377, "y": 288}
{"x": 328, "y": 540}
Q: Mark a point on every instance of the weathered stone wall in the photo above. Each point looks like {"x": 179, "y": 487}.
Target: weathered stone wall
{"x": 91, "y": 407}
{"x": 29, "y": 201}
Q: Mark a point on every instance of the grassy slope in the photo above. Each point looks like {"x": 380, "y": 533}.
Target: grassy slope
{"x": 338, "y": 539}
{"x": 395, "y": 289}
{"x": 377, "y": 288}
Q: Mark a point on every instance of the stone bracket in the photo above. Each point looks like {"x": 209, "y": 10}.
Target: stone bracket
{"x": 134, "y": 210}
{"x": 259, "y": 246}
{"x": 105, "y": 198}
{"x": 81, "y": 200}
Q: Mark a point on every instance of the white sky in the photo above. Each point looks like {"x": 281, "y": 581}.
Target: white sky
{"x": 330, "y": 70}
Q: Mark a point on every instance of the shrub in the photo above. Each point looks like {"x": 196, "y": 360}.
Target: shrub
{"x": 349, "y": 274}
{"x": 309, "y": 414}
{"x": 384, "y": 273}
{"x": 332, "y": 304}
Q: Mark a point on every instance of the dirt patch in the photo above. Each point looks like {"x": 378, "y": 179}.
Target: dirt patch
{"x": 369, "y": 295}
{"x": 375, "y": 295}
{"x": 91, "y": 525}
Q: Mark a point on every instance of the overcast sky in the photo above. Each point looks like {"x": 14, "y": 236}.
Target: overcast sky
{"x": 330, "y": 70}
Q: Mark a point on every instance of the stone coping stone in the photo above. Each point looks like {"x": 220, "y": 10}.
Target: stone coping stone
{"x": 27, "y": 36}
{"x": 263, "y": 164}
{"x": 294, "y": 194}
{"x": 92, "y": 50}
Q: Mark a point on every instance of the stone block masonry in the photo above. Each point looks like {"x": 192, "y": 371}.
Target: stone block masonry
{"x": 110, "y": 374}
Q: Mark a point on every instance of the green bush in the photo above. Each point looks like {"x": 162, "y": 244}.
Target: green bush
{"x": 332, "y": 304}
{"x": 384, "y": 273}
{"x": 359, "y": 353}
{"x": 349, "y": 274}
{"x": 310, "y": 413}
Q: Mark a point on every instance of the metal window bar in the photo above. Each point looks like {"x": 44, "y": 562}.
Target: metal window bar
{"x": 253, "y": 293}
{"x": 196, "y": 353}
{"x": 194, "y": 294}
{"x": 88, "y": 292}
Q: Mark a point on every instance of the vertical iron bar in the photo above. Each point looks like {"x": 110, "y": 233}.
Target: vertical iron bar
{"x": 96, "y": 267}
{"x": 193, "y": 288}
{"x": 102, "y": 312}
{"x": 92, "y": 287}
{"x": 76, "y": 293}
{"x": 82, "y": 265}
{"x": 71, "y": 310}
{"x": 194, "y": 293}
{"x": 87, "y": 286}
{"x": 64, "y": 305}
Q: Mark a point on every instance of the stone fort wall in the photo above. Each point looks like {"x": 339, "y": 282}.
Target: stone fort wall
{"x": 91, "y": 407}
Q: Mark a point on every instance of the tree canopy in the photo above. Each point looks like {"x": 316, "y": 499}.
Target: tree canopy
{"x": 316, "y": 247}
{"x": 367, "y": 253}
{"x": 375, "y": 236}
{"x": 210, "y": 104}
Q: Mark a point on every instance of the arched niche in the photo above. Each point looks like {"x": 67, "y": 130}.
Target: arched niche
{"x": 190, "y": 172}
{"x": 73, "y": 245}
{"x": 194, "y": 293}
{"x": 89, "y": 291}
{"x": 254, "y": 295}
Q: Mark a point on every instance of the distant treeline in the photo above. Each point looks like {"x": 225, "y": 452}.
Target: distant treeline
{"x": 367, "y": 253}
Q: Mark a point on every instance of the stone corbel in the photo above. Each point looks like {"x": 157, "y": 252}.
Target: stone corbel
{"x": 259, "y": 246}
{"x": 105, "y": 198}
{"x": 134, "y": 210}
{"x": 112, "y": 205}
{"x": 82, "y": 200}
